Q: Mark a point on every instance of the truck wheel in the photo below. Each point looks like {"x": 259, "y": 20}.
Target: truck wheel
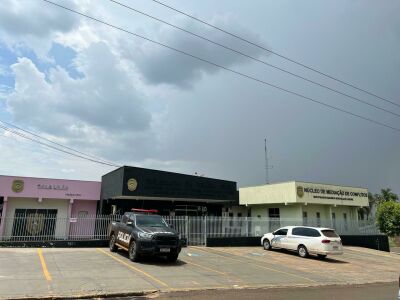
{"x": 172, "y": 257}
{"x": 133, "y": 255}
{"x": 302, "y": 251}
{"x": 113, "y": 247}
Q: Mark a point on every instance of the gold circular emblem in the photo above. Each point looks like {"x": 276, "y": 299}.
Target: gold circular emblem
{"x": 17, "y": 186}
{"x": 132, "y": 184}
{"x": 300, "y": 191}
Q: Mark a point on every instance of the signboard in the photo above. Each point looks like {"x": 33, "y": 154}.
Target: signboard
{"x": 329, "y": 192}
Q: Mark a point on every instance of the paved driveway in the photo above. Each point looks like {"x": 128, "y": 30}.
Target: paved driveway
{"x": 78, "y": 272}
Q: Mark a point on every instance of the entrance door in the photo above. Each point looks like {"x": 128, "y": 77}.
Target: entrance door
{"x": 34, "y": 224}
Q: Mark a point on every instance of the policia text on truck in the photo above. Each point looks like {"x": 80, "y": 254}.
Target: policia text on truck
{"x": 142, "y": 233}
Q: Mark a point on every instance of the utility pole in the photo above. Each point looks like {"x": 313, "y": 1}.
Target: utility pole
{"x": 267, "y": 166}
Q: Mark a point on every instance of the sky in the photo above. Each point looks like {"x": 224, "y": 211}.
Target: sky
{"x": 116, "y": 96}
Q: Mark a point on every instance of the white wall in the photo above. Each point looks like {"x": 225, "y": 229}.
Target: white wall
{"x": 269, "y": 193}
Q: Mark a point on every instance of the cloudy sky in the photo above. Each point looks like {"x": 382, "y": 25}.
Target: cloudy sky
{"x": 112, "y": 95}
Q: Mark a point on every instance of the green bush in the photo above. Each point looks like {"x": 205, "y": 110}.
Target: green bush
{"x": 388, "y": 218}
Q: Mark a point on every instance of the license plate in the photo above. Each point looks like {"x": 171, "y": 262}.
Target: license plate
{"x": 165, "y": 250}
{"x": 335, "y": 247}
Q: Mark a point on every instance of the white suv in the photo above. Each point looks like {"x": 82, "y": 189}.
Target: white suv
{"x": 304, "y": 240}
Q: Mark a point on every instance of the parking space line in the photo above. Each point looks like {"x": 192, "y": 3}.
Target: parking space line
{"x": 204, "y": 267}
{"x": 46, "y": 272}
{"x": 134, "y": 268}
{"x": 257, "y": 265}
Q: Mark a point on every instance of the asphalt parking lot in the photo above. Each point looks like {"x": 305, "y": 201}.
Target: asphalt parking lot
{"x": 75, "y": 272}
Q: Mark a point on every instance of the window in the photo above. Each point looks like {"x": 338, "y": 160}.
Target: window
{"x": 127, "y": 217}
{"x": 274, "y": 221}
{"x": 35, "y": 223}
{"x": 230, "y": 219}
{"x": 273, "y": 213}
{"x": 305, "y": 218}
{"x": 298, "y": 231}
{"x": 345, "y": 221}
{"x": 318, "y": 219}
{"x": 334, "y": 220}
{"x": 281, "y": 232}
{"x": 312, "y": 232}
{"x": 329, "y": 233}
{"x": 361, "y": 214}
{"x": 302, "y": 231}
{"x": 150, "y": 221}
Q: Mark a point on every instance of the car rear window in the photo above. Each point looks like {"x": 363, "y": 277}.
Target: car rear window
{"x": 329, "y": 233}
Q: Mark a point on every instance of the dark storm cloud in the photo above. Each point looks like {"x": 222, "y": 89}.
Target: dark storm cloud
{"x": 161, "y": 65}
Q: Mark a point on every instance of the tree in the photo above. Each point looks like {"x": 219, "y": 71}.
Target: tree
{"x": 386, "y": 195}
{"x": 388, "y": 217}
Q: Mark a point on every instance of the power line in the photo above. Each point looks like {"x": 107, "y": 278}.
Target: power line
{"x": 5, "y": 128}
{"x": 48, "y": 140}
{"x": 277, "y": 54}
{"x": 224, "y": 68}
{"x": 256, "y": 59}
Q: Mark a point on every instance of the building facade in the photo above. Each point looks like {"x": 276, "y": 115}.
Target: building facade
{"x": 27, "y": 203}
{"x": 170, "y": 193}
{"x": 312, "y": 203}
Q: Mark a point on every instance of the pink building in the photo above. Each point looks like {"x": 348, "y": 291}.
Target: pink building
{"x": 51, "y": 208}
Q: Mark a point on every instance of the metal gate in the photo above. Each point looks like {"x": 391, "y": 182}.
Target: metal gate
{"x": 193, "y": 229}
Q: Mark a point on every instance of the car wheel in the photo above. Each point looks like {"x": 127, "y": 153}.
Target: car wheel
{"x": 113, "y": 247}
{"x": 172, "y": 258}
{"x": 322, "y": 256}
{"x": 302, "y": 251}
{"x": 133, "y": 255}
{"x": 267, "y": 245}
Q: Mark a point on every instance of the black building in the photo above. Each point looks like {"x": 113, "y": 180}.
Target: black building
{"x": 170, "y": 193}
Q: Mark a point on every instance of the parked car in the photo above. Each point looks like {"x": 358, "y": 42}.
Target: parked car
{"x": 304, "y": 240}
{"x": 142, "y": 233}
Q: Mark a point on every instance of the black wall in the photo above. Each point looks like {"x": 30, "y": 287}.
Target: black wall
{"x": 378, "y": 242}
{"x": 154, "y": 183}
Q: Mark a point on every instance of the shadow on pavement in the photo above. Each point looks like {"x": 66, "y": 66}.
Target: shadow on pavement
{"x": 153, "y": 260}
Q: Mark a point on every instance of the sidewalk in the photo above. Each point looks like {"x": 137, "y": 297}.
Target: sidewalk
{"x": 395, "y": 250}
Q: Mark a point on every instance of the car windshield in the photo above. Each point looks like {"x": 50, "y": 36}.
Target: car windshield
{"x": 150, "y": 221}
{"x": 329, "y": 233}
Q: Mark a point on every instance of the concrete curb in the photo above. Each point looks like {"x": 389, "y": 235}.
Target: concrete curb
{"x": 177, "y": 290}
{"x": 90, "y": 296}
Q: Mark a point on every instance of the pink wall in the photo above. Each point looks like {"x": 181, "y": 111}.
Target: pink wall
{"x": 51, "y": 188}
{"x": 83, "y": 205}
{"x": 82, "y": 228}
{"x": 82, "y": 196}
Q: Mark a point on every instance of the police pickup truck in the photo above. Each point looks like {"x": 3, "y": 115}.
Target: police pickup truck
{"x": 142, "y": 233}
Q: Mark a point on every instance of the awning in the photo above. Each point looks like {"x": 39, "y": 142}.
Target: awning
{"x": 173, "y": 199}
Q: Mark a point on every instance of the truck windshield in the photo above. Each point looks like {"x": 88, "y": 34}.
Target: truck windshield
{"x": 150, "y": 221}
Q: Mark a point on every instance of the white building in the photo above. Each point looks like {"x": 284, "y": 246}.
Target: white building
{"x": 314, "y": 203}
